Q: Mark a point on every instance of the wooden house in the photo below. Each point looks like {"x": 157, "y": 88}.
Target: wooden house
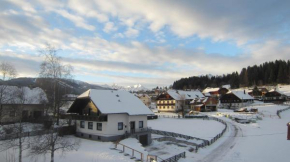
{"x": 21, "y": 103}
{"x": 110, "y": 115}
{"x": 274, "y": 96}
{"x": 173, "y": 100}
{"x": 214, "y": 92}
{"x": 236, "y": 99}
{"x": 204, "y": 104}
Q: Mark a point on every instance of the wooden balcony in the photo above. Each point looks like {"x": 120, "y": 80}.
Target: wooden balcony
{"x": 89, "y": 118}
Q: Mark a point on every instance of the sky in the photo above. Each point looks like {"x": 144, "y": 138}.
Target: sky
{"x": 148, "y": 42}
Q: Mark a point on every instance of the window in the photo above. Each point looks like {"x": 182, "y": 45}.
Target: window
{"x": 82, "y": 124}
{"x": 120, "y": 126}
{"x": 90, "y": 125}
{"x": 140, "y": 124}
{"x": 99, "y": 126}
{"x": 12, "y": 113}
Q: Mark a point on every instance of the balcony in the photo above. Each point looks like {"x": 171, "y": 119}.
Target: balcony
{"x": 90, "y": 118}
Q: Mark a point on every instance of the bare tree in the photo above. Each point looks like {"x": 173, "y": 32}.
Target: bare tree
{"x": 53, "y": 73}
{"x": 7, "y": 72}
{"x": 182, "y": 105}
{"x": 51, "y": 142}
{"x": 16, "y": 132}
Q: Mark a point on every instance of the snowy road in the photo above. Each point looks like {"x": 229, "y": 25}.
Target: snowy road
{"x": 218, "y": 153}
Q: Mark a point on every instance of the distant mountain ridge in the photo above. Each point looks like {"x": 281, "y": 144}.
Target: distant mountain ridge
{"x": 134, "y": 88}
{"x": 74, "y": 86}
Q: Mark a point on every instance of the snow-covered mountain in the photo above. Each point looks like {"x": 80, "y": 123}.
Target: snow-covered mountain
{"x": 134, "y": 88}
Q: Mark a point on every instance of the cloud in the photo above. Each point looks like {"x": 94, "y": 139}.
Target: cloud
{"x": 261, "y": 29}
{"x": 109, "y": 27}
{"x": 77, "y": 20}
{"x": 131, "y": 32}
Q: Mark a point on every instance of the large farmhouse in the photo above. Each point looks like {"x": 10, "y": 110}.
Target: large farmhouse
{"x": 110, "y": 115}
{"x": 236, "y": 99}
{"x": 172, "y": 100}
{"x": 21, "y": 103}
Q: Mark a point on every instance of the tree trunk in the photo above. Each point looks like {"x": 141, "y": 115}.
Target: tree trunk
{"x": 20, "y": 149}
{"x": 52, "y": 156}
{"x": 52, "y": 148}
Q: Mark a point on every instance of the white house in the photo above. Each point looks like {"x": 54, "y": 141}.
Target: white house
{"x": 110, "y": 115}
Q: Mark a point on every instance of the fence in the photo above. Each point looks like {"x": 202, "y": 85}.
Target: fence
{"x": 205, "y": 142}
{"x": 175, "y": 158}
{"x": 123, "y": 150}
{"x": 279, "y": 111}
{"x": 66, "y": 130}
{"x": 220, "y": 134}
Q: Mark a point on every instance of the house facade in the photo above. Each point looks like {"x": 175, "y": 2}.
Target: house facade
{"x": 146, "y": 99}
{"x": 214, "y": 92}
{"x": 274, "y": 96}
{"x": 22, "y": 103}
{"x": 110, "y": 115}
{"x": 173, "y": 100}
{"x": 236, "y": 99}
{"x": 204, "y": 104}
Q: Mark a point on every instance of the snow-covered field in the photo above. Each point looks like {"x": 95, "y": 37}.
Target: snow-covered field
{"x": 263, "y": 141}
{"x": 204, "y": 129}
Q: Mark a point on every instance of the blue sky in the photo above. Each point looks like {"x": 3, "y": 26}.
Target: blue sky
{"x": 152, "y": 43}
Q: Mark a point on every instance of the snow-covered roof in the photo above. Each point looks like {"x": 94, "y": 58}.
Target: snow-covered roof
{"x": 189, "y": 95}
{"x": 116, "y": 101}
{"x": 227, "y": 86}
{"x": 202, "y": 100}
{"x": 208, "y": 89}
{"x": 283, "y": 89}
{"x": 242, "y": 95}
{"x": 23, "y": 95}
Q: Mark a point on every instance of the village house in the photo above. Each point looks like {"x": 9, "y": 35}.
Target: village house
{"x": 22, "y": 103}
{"x": 204, "y": 104}
{"x": 214, "y": 92}
{"x": 110, "y": 115}
{"x": 146, "y": 99}
{"x": 172, "y": 100}
{"x": 277, "y": 95}
{"x": 236, "y": 99}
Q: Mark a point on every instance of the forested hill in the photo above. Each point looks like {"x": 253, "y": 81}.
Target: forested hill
{"x": 268, "y": 73}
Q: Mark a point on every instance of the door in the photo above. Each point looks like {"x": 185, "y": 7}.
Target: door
{"x": 132, "y": 127}
{"x": 143, "y": 139}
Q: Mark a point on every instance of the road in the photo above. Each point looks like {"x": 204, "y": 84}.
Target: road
{"x": 218, "y": 153}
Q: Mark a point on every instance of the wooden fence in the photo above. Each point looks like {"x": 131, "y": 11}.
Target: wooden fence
{"x": 205, "y": 142}
{"x": 280, "y": 111}
{"x": 126, "y": 150}
{"x": 175, "y": 158}
{"x": 66, "y": 130}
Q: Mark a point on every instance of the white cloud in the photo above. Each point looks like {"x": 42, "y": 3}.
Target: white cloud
{"x": 77, "y": 20}
{"x": 110, "y": 27}
{"x": 132, "y": 33}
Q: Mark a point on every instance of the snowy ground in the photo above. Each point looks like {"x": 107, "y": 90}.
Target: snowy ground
{"x": 204, "y": 129}
{"x": 89, "y": 151}
{"x": 263, "y": 141}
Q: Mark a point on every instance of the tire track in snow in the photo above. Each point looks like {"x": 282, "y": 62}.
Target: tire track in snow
{"x": 218, "y": 153}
